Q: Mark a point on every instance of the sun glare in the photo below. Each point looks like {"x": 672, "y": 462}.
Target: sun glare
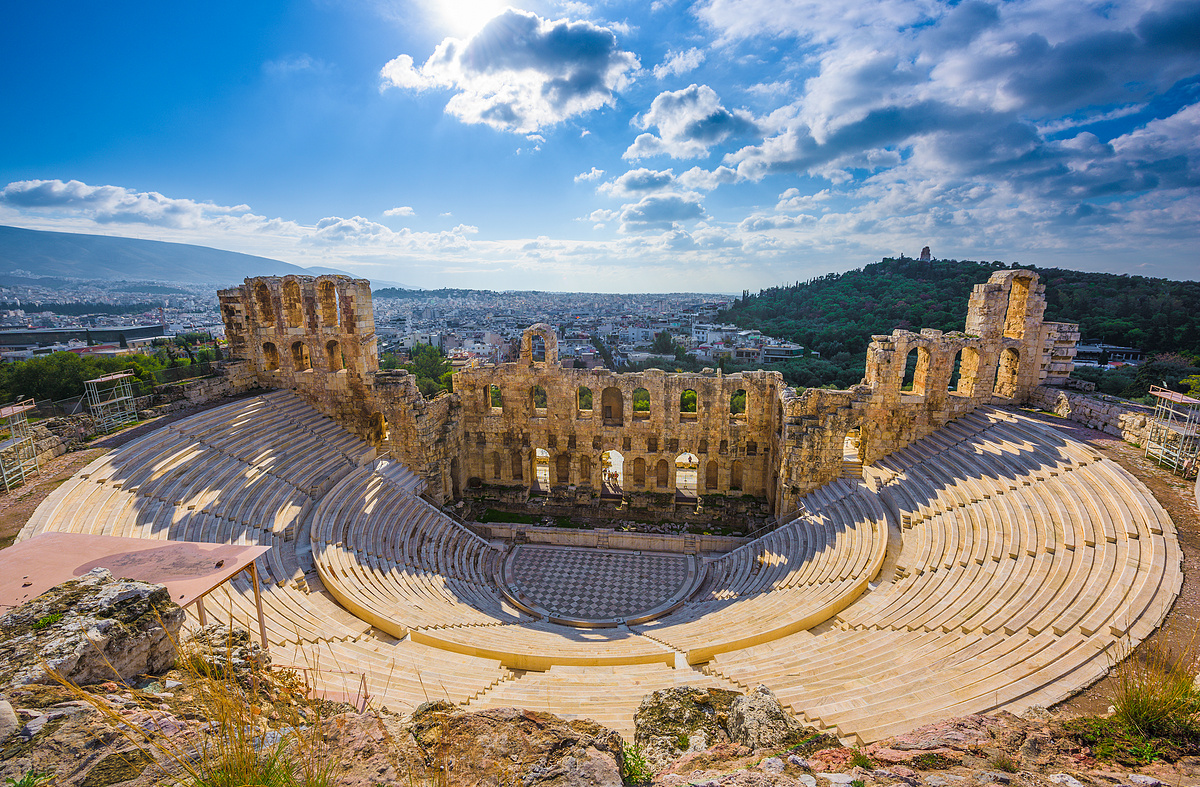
{"x": 466, "y": 17}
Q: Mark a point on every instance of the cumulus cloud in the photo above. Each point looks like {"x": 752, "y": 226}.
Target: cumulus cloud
{"x": 689, "y": 122}
{"x": 593, "y": 174}
{"x": 114, "y": 204}
{"x": 661, "y": 212}
{"x": 679, "y": 62}
{"x": 403, "y": 210}
{"x": 638, "y": 181}
{"x": 522, "y": 73}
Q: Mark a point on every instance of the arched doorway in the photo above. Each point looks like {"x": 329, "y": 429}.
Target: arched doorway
{"x": 686, "y": 470}
{"x": 1006, "y": 372}
{"x": 541, "y": 470}
{"x": 612, "y": 474}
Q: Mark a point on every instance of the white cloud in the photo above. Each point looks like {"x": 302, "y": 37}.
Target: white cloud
{"x": 663, "y": 211}
{"x": 522, "y": 73}
{"x": 679, "y": 62}
{"x": 639, "y": 181}
{"x": 114, "y": 204}
{"x": 593, "y": 174}
{"x": 689, "y": 122}
{"x": 403, "y": 210}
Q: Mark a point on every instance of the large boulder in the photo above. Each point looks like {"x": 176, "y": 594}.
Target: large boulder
{"x": 88, "y": 630}
{"x": 758, "y": 721}
{"x": 672, "y": 722}
{"x": 513, "y": 746}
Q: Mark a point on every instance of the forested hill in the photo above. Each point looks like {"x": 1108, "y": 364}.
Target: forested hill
{"x": 839, "y": 312}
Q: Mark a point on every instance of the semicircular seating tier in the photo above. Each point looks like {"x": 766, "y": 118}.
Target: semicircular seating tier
{"x": 995, "y": 564}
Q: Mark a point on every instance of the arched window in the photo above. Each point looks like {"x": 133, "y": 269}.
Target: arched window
{"x": 585, "y": 469}
{"x": 1018, "y": 306}
{"x": 703, "y": 447}
{"x": 641, "y": 403}
{"x": 1006, "y": 372}
{"x": 735, "y": 476}
{"x": 262, "y": 295}
{"x": 494, "y": 399}
{"x": 539, "y": 348}
{"x": 562, "y": 467}
{"x": 346, "y": 312}
{"x": 639, "y": 472}
{"x": 612, "y": 405}
{"x": 687, "y": 404}
{"x": 538, "y": 396}
{"x": 710, "y": 475}
{"x": 270, "y": 356}
{"x": 300, "y": 358}
{"x": 965, "y": 373}
{"x": 916, "y": 369}
{"x": 333, "y": 354}
{"x": 662, "y": 474}
{"x": 518, "y": 466}
{"x": 495, "y": 465}
{"x": 583, "y": 399}
{"x": 328, "y": 303}
{"x": 737, "y": 403}
{"x": 293, "y": 306}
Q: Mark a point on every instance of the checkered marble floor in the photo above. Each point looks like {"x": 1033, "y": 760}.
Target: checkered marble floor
{"x": 596, "y": 584}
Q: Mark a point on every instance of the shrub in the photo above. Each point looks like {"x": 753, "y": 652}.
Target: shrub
{"x": 860, "y": 760}
{"x": 1003, "y": 762}
{"x": 634, "y": 768}
{"x": 1155, "y": 694}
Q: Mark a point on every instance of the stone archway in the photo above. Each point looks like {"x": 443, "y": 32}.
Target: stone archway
{"x": 549, "y": 338}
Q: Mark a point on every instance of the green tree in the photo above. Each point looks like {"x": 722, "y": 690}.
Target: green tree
{"x": 663, "y": 344}
{"x": 431, "y": 368}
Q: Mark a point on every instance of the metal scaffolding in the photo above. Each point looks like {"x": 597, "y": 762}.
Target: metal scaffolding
{"x": 18, "y": 454}
{"x": 1175, "y": 432}
{"x": 110, "y": 401}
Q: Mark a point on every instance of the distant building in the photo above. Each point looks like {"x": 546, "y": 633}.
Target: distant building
{"x": 1102, "y": 354}
{"x": 925, "y": 254}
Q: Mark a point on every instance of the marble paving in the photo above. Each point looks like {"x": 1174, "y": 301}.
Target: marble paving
{"x": 596, "y": 584}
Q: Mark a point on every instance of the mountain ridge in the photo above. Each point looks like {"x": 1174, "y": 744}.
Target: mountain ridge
{"x": 48, "y": 253}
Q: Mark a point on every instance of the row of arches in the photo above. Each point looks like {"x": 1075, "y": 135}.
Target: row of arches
{"x": 612, "y": 402}
{"x": 302, "y": 359}
{"x": 691, "y": 475}
{"x": 964, "y": 373}
{"x": 328, "y": 305}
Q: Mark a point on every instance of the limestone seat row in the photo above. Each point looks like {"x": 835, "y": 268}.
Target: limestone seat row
{"x": 1015, "y": 599}
{"x": 216, "y": 477}
{"x": 790, "y": 579}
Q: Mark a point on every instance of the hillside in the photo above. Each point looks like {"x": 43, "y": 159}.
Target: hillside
{"x": 71, "y": 255}
{"x": 837, "y": 314}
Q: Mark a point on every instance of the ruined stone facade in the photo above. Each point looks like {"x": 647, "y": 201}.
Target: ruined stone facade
{"x": 533, "y": 427}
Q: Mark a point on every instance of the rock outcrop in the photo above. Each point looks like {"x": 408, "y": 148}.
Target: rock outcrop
{"x": 672, "y": 722}
{"x": 758, "y": 721}
{"x": 91, "y": 629}
{"x": 513, "y": 746}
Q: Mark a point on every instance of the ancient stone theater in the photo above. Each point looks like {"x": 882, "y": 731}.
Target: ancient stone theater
{"x": 920, "y": 547}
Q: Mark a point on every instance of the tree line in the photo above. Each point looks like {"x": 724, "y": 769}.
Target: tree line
{"x": 837, "y": 314}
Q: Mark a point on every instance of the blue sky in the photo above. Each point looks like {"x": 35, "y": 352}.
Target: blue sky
{"x": 610, "y": 146}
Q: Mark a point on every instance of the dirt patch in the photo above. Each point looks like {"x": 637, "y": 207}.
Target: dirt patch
{"x": 1178, "y": 497}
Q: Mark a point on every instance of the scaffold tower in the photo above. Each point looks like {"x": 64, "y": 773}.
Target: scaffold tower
{"x": 18, "y": 454}
{"x": 110, "y": 400}
{"x": 1175, "y": 432}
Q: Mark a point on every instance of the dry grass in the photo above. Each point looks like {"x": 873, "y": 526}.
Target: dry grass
{"x": 1155, "y": 694}
{"x": 260, "y": 732}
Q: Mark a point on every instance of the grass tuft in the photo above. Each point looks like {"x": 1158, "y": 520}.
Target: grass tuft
{"x": 634, "y": 768}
